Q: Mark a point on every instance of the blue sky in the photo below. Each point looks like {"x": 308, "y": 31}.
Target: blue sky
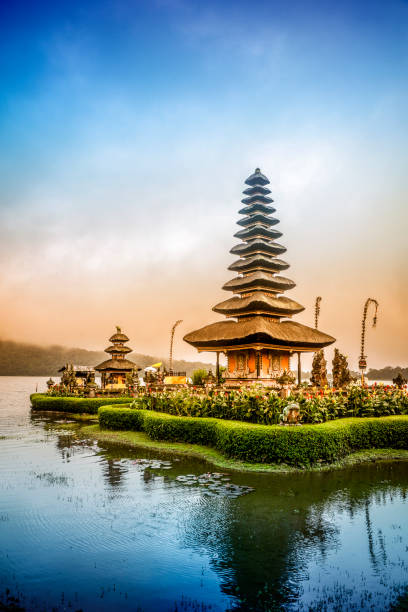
{"x": 267, "y": 66}
{"x": 128, "y": 128}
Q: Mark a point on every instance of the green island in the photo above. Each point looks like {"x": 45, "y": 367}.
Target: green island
{"x": 255, "y": 410}
{"x": 240, "y": 445}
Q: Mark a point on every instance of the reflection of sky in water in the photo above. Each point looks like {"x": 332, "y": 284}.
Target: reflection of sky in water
{"x": 79, "y": 524}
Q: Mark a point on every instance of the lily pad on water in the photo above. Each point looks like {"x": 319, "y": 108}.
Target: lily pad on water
{"x": 154, "y": 464}
{"x": 212, "y": 484}
{"x": 215, "y": 484}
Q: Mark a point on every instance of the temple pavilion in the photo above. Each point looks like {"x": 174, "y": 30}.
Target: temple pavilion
{"x": 81, "y": 373}
{"x": 258, "y": 336}
{"x": 115, "y": 369}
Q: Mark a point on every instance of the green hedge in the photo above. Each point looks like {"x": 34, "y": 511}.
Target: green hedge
{"x": 114, "y": 417}
{"x": 303, "y": 445}
{"x": 76, "y": 405}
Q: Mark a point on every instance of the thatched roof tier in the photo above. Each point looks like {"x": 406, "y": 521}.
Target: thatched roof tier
{"x": 118, "y": 348}
{"x": 258, "y": 218}
{"x": 123, "y": 365}
{"x": 257, "y": 197}
{"x": 258, "y": 189}
{"x": 259, "y": 281}
{"x": 119, "y": 337}
{"x": 257, "y": 178}
{"x": 258, "y": 262}
{"x": 258, "y": 303}
{"x": 258, "y": 246}
{"x": 258, "y": 332}
{"x": 257, "y": 207}
{"x": 257, "y": 231}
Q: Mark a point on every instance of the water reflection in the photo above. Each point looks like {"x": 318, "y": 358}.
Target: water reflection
{"x": 113, "y": 472}
{"x": 102, "y": 527}
{"x": 269, "y": 540}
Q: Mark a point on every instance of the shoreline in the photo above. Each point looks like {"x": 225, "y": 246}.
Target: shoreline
{"x": 138, "y": 439}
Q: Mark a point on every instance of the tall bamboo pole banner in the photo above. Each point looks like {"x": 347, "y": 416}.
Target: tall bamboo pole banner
{"x": 319, "y": 365}
{"x": 317, "y": 311}
{"x": 173, "y": 329}
{"x": 362, "y": 364}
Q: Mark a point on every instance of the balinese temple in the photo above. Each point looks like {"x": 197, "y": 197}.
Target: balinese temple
{"x": 258, "y": 336}
{"x": 115, "y": 369}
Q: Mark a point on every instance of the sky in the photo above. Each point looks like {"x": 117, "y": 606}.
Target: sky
{"x": 127, "y": 129}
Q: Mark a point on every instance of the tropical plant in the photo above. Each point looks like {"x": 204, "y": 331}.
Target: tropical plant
{"x": 399, "y": 380}
{"x": 199, "y": 376}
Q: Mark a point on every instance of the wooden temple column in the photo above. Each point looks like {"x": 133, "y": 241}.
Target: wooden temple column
{"x": 258, "y": 363}
{"x": 299, "y": 370}
{"x": 217, "y": 369}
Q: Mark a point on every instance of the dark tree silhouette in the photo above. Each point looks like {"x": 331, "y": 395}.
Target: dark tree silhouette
{"x": 319, "y": 370}
{"x": 341, "y": 373}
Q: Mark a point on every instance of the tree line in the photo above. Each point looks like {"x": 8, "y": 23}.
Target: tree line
{"x": 387, "y": 373}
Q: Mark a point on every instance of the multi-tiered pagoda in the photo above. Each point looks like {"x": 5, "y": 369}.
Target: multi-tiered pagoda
{"x": 115, "y": 369}
{"x": 257, "y": 342}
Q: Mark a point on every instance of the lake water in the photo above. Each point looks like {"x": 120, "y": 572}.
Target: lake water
{"x": 87, "y": 526}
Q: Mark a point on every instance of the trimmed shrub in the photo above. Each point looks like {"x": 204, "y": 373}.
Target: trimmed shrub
{"x": 298, "y": 446}
{"x": 181, "y": 429}
{"x": 294, "y": 446}
{"x": 116, "y": 417}
{"x": 75, "y": 405}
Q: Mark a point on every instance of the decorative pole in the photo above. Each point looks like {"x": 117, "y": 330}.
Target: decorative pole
{"x": 299, "y": 370}
{"x": 317, "y": 311}
{"x": 173, "y": 329}
{"x": 362, "y": 364}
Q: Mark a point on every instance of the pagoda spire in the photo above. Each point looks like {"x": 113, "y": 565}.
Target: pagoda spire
{"x": 258, "y": 286}
{"x": 258, "y": 344}
{"x": 118, "y": 349}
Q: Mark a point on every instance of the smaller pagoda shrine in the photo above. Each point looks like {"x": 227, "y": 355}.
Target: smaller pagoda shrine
{"x": 114, "y": 370}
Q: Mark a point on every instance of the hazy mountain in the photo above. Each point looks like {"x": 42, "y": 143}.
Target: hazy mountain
{"x": 19, "y": 359}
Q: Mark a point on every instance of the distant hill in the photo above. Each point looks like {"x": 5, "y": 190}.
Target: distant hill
{"x": 387, "y": 373}
{"x": 19, "y": 359}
